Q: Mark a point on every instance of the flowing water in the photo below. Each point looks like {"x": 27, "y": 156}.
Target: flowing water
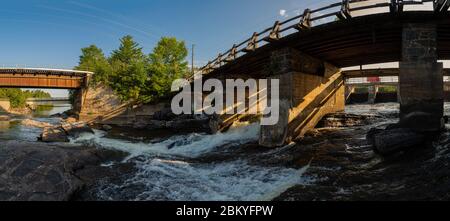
{"x": 195, "y": 166}
{"x": 169, "y": 169}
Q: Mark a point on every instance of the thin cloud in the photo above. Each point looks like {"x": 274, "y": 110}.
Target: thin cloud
{"x": 110, "y": 21}
{"x": 283, "y": 13}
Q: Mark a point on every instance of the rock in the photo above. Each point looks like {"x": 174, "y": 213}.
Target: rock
{"x": 71, "y": 120}
{"x": 106, "y": 127}
{"x": 54, "y": 134}
{"x": 189, "y": 124}
{"x": 33, "y": 123}
{"x": 165, "y": 114}
{"x": 389, "y": 141}
{"x": 76, "y": 129}
{"x": 153, "y": 125}
{"x": 5, "y": 118}
{"x": 344, "y": 120}
{"x": 42, "y": 172}
{"x": 423, "y": 122}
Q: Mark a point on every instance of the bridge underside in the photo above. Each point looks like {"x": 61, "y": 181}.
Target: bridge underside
{"x": 311, "y": 84}
{"x": 358, "y": 41}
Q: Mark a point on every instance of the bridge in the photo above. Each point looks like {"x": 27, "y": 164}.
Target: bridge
{"x": 47, "y": 79}
{"x": 53, "y": 101}
{"x": 307, "y": 52}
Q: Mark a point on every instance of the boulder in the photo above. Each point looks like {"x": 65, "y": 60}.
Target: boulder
{"x": 389, "y": 141}
{"x": 53, "y": 134}
{"x": 76, "y": 129}
{"x": 423, "y": 122}
{"x": 31, "y": 171}
{"x": 106, "y": 127}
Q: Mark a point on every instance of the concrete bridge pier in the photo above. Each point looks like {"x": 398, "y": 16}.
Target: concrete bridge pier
{"x": 373, "y": 91}
{"x": 421, "y": 79}
{"x": 309, "y": 89}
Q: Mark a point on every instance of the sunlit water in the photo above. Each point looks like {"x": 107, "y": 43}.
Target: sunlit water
{"x": 14, "y": 130}
{"x": 169, "y": 169}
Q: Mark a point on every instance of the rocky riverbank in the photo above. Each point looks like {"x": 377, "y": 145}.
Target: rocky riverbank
{"x": 346, "y": 168}
{"x": 45, "y": 172}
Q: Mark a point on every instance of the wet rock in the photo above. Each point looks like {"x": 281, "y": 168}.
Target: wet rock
{"x": 165, "y": 114}
{"x": 54, "y": 134}
{"x": 151, "y": 125}
{"x": 34, "y": 123}
{"x": 345, "y": 120}
{"x": 423, "y": 122}
{"x": 5, "y": 118}
{"x": 189, "y": 124}
{"x": 393, "y": 140}
{"x": 106, "y": 127}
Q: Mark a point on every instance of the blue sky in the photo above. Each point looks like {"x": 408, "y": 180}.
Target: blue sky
{"x": 50, "y": 33}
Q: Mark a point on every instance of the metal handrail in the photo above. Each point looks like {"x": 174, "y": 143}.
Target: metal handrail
{"x": 342, "y": 13}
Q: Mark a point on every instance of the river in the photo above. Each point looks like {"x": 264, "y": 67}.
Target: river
{"x": 225, "y": 166}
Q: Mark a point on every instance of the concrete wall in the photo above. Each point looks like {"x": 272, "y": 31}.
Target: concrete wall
{"x": 421, "y": 79}
{"x": 5, "y": 105}
{"x": 310, "y": 89}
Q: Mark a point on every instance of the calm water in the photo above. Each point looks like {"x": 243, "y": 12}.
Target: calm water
{"x": 14, "y": 130}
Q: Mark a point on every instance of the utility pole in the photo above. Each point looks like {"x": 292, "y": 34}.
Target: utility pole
{"x": 192, "y": 62}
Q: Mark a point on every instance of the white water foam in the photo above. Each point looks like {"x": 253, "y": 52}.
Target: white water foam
{"x": 192, "y": 145}
{"x": 160, "y": 177}
{"x": 231, "y": 181}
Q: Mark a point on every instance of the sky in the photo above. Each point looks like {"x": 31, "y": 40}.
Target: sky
{"x": 50, "y": 33}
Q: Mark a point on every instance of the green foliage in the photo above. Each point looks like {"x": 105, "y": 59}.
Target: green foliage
{"x": 167, "y": 63}
{"x": 132, "y": 74}
{"x": 387, "y": 89}
{"x": 18, "y": 98}
{"x": 129, "y": 73}
{"x": 93, "y": 59}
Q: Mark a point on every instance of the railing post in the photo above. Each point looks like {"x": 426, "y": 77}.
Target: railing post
{"x": 441, "y": 5}
{"x": 396, "y": 6}
{"x": 253, "y": 44}
{"x": 345, "y": 10}
{"x": 219, "y": 60}
{"x": 275, "y": 33}
{"x": 305, "y": 21}
{"x": 232, "y": 56}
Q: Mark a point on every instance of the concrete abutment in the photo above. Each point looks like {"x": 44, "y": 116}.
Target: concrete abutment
{"x": 420, "y": 81}
{"x": 309, "y": 89}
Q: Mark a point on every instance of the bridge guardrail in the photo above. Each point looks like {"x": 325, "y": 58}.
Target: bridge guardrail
{"x": 305, "y": 21}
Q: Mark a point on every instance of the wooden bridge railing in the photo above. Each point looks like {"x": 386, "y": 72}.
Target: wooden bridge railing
{"x": 304, "y": 21}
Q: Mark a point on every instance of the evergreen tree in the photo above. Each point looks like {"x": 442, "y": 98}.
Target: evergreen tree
{"x": 128, "y": 66}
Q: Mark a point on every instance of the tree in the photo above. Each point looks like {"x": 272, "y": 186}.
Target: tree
{"x": 128, "y": 52}
{"x": 93, "y": 59}
{"x": 128, "y": 66}
{"x": 167, "y": 63}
